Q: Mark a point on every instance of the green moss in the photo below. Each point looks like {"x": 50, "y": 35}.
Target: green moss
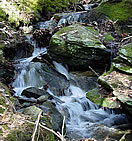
{"x": 130, "y": 78}
{"x": 120, "y": 11}
{"x": 1, "y": 131}
{"x": 2, "y": 110}
{"x": 2, "y": 101}
{"x": 2, "y": 15}
{"x": 108, "y": 37}
{"x": 63, "y": 30}
{"x": 95, "y": 96}
{"x": 98, "y": 99}
{"x": 7, "y": 91}
{"x": 18, "y": 135}
{"x": 114, "y": 85}
{"x": 108, "y": 72}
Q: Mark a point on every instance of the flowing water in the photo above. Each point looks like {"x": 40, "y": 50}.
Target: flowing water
{"x": 83, "y": 118}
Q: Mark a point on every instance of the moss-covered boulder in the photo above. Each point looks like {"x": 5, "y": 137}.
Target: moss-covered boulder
{"x": 79, "y": 46}
{"x": 124, "y": 60}
{"x": 102, "y": 100}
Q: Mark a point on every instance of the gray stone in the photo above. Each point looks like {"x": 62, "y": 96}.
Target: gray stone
{"x": 79, "y": 44}
{"x": 32, "y": 111}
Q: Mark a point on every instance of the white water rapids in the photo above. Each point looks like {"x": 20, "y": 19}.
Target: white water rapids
{"x": 83, "y": 118}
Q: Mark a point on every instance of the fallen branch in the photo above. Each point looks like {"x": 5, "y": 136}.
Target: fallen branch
{"x": 63, "y": 126}
{"x": 93, "y": 71}
{"x": 50, "y": 130}
{"x": 37, "y": 123}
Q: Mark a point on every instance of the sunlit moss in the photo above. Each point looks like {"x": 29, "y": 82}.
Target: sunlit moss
{"x": 27, "y": 10}
{"x": 120, "y": 11}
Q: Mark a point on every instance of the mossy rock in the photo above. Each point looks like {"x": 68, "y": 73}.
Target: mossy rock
{"x": 123, "y": 61}
{"x": 120, "y": 11}
{"x": 126, "y": 50}
{"x": 96, "y": 97}
{"x": 32, "y": 111}
{"x": 81, "y": 45}
{"x": 123, "y": 67}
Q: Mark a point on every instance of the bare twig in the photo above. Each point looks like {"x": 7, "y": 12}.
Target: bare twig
{"x": 123, "y": 137}
{"x": 94, "y": 71}
{"x": 37, "y": 123}
{"x": 126, "y": 38}
{"x": 63, "y": 125}
{"x": 38, "y": 133}
{"x": 50, "y": 130}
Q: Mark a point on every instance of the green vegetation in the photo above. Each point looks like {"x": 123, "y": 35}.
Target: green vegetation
{"x": 108, "y": 37}
{"x": 26, "y": 11}
{"x": 120, "y": 11}
{"x": 24, "y": 133}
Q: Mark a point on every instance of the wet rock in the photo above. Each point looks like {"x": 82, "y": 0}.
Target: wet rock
{"x": 43, "y": 98}
{"x": 43, "y": 32}
{"x": 43, "y": 76}
{"x": 69, "y": 18}
{"x": 56, "y": 118}
{"x": 33, "y": 92}
{"x": 84, "y": 80}
{"x": 64, "y": 19}
{"x": 47, "y": 25}
{"x": 81, "y": 45}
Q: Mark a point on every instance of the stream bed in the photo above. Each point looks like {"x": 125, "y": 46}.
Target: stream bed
{"x": 84, "y": 119}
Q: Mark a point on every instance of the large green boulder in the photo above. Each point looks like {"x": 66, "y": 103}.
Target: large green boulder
{"x": 79, "y": 46}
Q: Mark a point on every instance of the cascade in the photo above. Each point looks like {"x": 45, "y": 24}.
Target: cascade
{"x": 83, "y": 117}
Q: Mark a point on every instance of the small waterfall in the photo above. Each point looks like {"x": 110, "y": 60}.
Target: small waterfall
{"x": 25, "y": 78}
{"x": 83, "y": 117}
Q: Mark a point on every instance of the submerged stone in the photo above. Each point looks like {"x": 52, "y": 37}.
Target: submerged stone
{"x": 81, "y": 45}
